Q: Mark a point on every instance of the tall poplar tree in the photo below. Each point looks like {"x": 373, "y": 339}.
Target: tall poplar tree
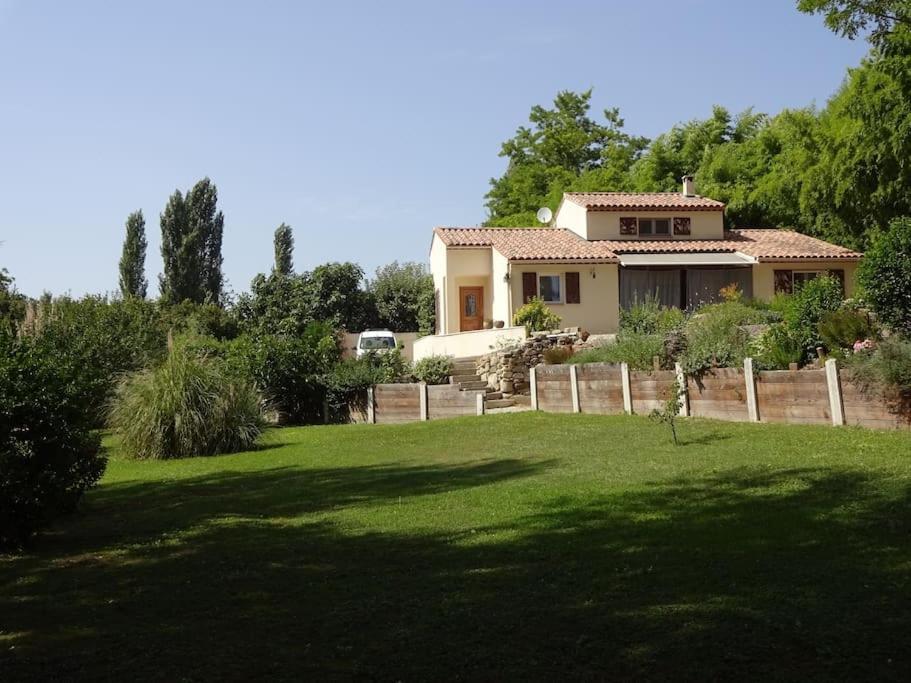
{"x": 133, "y": 282}
{"x": 191, "y": 238}
{"x": 284, "y": 250}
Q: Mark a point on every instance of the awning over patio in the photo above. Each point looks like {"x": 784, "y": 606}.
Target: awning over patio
{"x": 686, "y": 259}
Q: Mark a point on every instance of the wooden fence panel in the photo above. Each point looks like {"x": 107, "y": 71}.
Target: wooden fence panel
{"x": 600, "y": 388}
{"x": 397, "y": 403}
{"x": 720, "y": 394}
{"x": 800, "y": 397}
{"x": 554, "y": 393}
{"x": 650, "y": 390}
{"x": 447, "y": 401}
{"x": 869, "y": 410}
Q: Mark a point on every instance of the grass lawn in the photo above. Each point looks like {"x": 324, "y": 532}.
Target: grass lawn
{"x": 511, "y": 546}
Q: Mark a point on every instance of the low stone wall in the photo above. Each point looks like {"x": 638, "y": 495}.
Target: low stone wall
{"x": 508, "y": 369}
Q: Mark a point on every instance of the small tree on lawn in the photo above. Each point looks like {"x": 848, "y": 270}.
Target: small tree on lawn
{"x": 669, "y": 413}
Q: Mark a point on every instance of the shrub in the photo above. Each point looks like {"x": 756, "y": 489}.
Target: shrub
{"x": 887, "y": 368}
{"x": 48, "y": 454}
{"x": 289, "y": 370}
{"x": 650, "y": 317}
{"x": 840, "y": 329}
{"x": 776, "y": 349}
{"x": 885, "y": 274}
{"x": 557, "y": 355}
{"x": 715, "y": 337}
{"x": 188, "y": 405}
{"x": 638, "y": 350}
{"x": 536, "y": 316}
{"x": 346, "y": 383}
{"x": 433, "y": 369}
{"x": 803, "y": 310}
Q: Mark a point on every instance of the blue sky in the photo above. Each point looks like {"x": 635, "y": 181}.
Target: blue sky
{"x": 362, "y": 125}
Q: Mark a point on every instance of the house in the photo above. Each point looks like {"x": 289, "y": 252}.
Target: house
{"x": 606, "y": 250}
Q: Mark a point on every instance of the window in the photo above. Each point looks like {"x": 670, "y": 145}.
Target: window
{"x": 654, "y": 226}
{"x": 550, "y": 289}
{"x": 800, "y": 277}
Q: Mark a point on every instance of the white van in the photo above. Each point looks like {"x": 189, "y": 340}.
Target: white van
{"x": 379, "y": 341}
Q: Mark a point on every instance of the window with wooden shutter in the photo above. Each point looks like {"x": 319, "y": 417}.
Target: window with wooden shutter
{"x": 628, "y": 225}
{"x": 529, "y": 286}
{"x": 784, "y": 281}
{"x": 572, "y": 288}
{"x": 682, "y": 225}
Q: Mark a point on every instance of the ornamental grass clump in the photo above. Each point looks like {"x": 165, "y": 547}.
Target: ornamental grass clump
{"x": 187, "y": 406}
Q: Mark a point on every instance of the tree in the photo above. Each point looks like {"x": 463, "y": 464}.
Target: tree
{"x": 404, "y": 297}
{"x": 133, "y": 281}
{"x": 284, "y": 249}
{"x": 191, "y": 238}
{"x": 850, "y": 18}
{"x": 885, "y": 274}
{"x": 562, "y": 145}
{"x": 12, "y": 303}
{"x": 336, "y": 296}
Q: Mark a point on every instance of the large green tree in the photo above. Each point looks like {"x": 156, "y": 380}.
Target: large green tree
{"x": 404, "y": 297}
{"x": 879, "y": 19}
{"x": 283, "y": 244}
{"x": 133, "y": 282}
{"x": 191, "y": 238}
{"x": 561, "y": 145}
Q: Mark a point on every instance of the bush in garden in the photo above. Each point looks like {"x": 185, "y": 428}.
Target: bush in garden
{"x": 289, "y": 370}
{"x": 638, "y": 350}
{"x": 885, "y": 368}
{"x": 49, "y": 455}
{"x": 536, "y": 316}
{"x": 650, "y": 317}
{"x": 557, "y": 355}
{"x": 803, "y": 310}
{"x": 885, "y": 275}
{"x": 840, "y": 329}
{"x": 347, "y": 382}
{"x": 188, "y": 405}
{"x": 715, "y": 336}
{"x": 433, "y": 369}
{"x": 776, "y": 349}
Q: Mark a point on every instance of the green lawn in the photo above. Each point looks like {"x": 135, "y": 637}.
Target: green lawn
{"x": 525, "y": 545}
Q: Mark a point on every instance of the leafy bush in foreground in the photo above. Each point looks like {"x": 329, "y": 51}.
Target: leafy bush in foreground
{"x": 885, "y": 274}
{"x": 433, "y": 369}
{"x": 188, "y": 405}
{"x": 48, "y": 454}
{"x": 536, "y": 316}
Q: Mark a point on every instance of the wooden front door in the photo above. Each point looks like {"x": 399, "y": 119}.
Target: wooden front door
{"x": 471, "y": 308}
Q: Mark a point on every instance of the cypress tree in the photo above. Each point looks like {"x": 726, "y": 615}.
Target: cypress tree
{"x": 191, "y": 237}
{"x": 133, "y": 281}
{"x": 284, "y": 250}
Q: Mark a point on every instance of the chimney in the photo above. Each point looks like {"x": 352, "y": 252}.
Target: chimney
{"x": 689, "y": 188}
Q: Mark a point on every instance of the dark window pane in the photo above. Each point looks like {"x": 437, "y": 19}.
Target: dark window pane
{"x": 662, "y": 226}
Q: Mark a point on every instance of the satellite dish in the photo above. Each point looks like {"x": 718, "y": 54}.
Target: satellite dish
{"x": 544, "y": 215}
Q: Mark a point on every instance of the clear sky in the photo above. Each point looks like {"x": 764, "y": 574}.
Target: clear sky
{"x": 362, "y": 125}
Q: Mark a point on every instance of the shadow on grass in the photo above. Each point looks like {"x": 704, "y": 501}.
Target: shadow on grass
{"x": 796, "y": 573}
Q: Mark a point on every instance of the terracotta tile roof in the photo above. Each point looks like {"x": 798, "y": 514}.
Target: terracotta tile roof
{"x": 772, "y": 244}
{"x": 556, "y": 244}
{"x": 528, "y": 244}
{"x": 669, "y": 246}
{"x": 631, "y": 201}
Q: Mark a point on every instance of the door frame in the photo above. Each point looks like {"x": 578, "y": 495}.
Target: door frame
{"x": 480, "y": 289}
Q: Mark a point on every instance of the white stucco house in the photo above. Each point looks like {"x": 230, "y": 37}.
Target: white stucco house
{"x": 605, "y": 250}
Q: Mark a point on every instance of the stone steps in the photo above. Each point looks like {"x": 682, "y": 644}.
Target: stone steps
{"x": 499, "y": 403}
{"x": 472, "y": 386}
{"x": 458, "y": 379}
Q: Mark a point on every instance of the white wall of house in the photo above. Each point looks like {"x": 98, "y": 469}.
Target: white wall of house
{"x": 572, "y": 217}
{"x": 704, "y": 225}
{"x": 599, "y": 307}
{"x": 501, "y": 304}
{"x": 464, "y": 268}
